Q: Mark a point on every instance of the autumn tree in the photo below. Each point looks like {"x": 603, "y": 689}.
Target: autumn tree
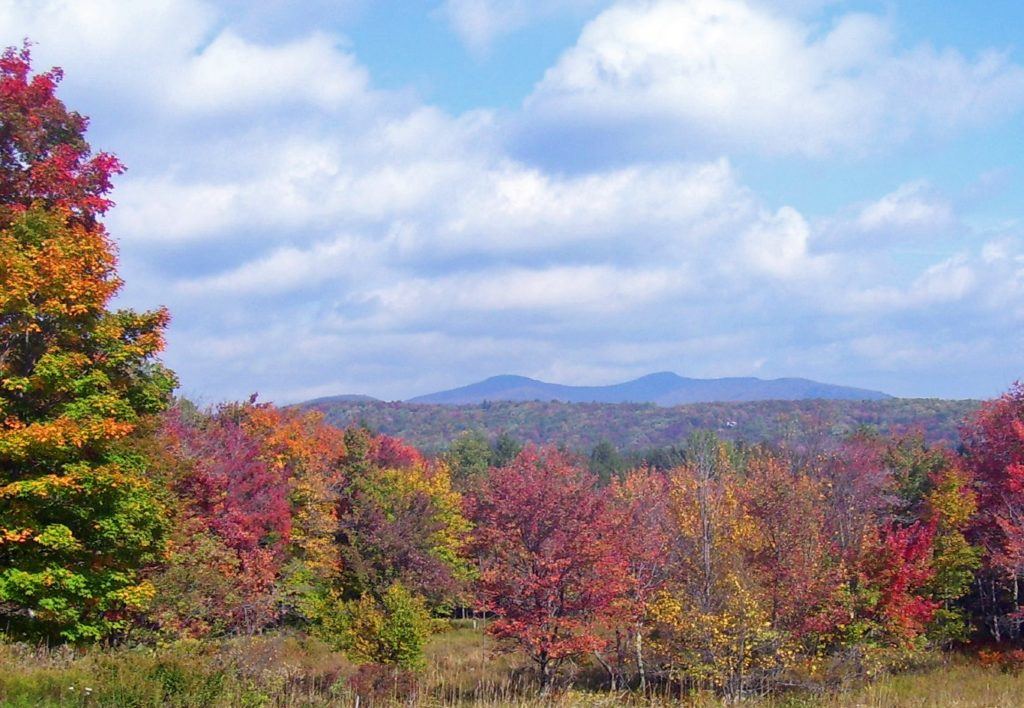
{"x": 932, "y": 487}
{"x": 255, "y": 490}
{"x": 551, "y": 568}
{"x": 300, "y": 447}
{"x": 641, "y": 504}
{"x": 884, "y": 538}
{"x": 712, "y": 624}
{"x": 400, "y": 539}
{"x": 792, "y": 557}
{"x": 231, "y": 503}
{"x": 994, "y": 453}
{"x": 389, "y": 630}
{"x": 77, "y": 515}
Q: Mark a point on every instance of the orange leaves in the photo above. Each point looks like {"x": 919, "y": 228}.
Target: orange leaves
{"x": 74, "y": 377}
{"x": 62, "y": 436}
{"x": 14, "y": 535}
{"x": 54, "y": 268}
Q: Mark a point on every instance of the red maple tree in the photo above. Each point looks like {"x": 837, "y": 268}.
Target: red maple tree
{"x": 552, "y": 568}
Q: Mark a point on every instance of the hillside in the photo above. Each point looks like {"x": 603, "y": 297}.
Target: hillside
{"x": 664, "y": 389}
{"x": 631, "y": 426}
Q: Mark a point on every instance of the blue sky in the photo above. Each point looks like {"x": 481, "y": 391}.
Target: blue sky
{"x": 395, "y": 197}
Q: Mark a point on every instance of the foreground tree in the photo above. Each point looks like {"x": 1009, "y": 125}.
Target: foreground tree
{"x": 254, "y": 493}
{"x": 792, "y": 557}
{"x": 713, "y": 627}
{"x": 77, "y": 515}
{"x": 933, "y": 488}
{"x": 231, "y": 509}
{"x": 551, "y": 565}
{"x": 399, "y": 539}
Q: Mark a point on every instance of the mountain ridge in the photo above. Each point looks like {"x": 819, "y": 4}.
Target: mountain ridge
{"x": 663, "y": 388}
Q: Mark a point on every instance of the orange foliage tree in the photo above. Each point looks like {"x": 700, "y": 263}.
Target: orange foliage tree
{"x": 77, "y": 515}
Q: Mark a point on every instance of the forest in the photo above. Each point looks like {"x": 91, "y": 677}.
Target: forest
{"x": 638, "y": 427}
{"x": 156, "y": 553}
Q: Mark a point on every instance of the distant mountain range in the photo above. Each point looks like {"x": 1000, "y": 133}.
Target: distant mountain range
{"x": 664, "y": 389}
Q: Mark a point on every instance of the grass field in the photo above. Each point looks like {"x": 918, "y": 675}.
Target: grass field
{"x": 462, "y": 670}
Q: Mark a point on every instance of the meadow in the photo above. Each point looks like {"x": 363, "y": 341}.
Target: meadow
{"x": 463, "y": 668}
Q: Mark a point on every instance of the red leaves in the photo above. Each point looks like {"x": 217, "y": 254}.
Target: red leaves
{"x": 228, "y": 489}
{"x": 552, "y": 564}
{"x": 794, "y": 558}
{"x": 392, "y": 453}
{"x": 644, "y": 534}
{"x": 897, "y": 564}
{"x": 242, "y": 498}
{"x": 994, "y": 442}
{"x": 44, "y": 157}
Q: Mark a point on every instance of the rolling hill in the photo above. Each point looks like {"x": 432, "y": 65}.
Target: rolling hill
{"x": 663, "y": 389}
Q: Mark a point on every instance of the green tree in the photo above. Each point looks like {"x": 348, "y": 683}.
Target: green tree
{"x": 505, "y": 450}
{"x": 469, "y": 456}
{"x": 78, "y": 517}
{"x": 606, "y": 462}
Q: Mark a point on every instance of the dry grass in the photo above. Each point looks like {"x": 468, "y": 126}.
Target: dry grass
{"x": 462, "y": 670}
{"x": 956, "y": 682}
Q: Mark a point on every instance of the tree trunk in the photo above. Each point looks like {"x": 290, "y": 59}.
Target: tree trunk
{"x": 545, "y": 672}
{"x": 1015, "y": 627}
{"x": 638, "y": 646}
{"x": 613, "y": 683}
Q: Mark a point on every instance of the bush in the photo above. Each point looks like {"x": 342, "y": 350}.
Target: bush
{"x": 390, "y": 631}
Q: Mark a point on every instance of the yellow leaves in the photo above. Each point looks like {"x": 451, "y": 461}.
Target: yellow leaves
{"x": 19, "y": 442}
{"x": 136, "y": 597}
{"x": 666, "y": 609}
{"x": 54, "y": 267}
{"x": 43, "y": 486}
{"x": 952, "y": 501}
{"x": 57, "y": 537}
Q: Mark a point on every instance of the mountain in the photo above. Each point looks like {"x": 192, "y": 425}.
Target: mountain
{"x": 344, "y": 398}
{"x": 664, "y": 389}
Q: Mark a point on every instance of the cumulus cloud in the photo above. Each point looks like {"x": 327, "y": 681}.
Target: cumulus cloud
{"x": 314, "y": 234}
{"x": 659, "y": 77}
{"x": 233, "y": 74}
{"x": 178, "y": 56}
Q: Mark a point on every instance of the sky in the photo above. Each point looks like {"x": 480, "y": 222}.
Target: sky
{"x": 392, "y": 198}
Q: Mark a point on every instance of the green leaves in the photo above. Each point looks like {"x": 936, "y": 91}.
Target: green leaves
{"x": 77, "y": 517}
{"x": 392, "y": 630}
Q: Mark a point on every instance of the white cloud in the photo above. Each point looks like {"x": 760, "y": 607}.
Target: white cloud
{"x": 478, "y": 23}
{"x": 233, "y": 74}
{"x": 284, "y": 270}
{"x": 173, "y": 55}
{"x": 312, "y": 233}
{"x": 911, "y": 206}
{"x": 733, "y": 75}
{"x": 602, "y": 290}
{"x": 777, "y": 245}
